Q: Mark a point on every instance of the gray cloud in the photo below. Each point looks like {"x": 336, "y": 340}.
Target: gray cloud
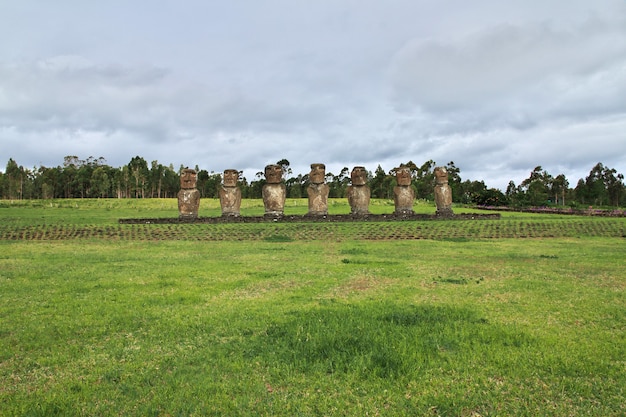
{"x": 497, "y": 88}
{"x": 514, "y": 75}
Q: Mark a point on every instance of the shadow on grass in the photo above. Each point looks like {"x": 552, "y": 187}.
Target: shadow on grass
{"x": 385, "y": 340}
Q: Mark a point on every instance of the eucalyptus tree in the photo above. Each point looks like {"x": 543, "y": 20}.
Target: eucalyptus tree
{"x": 454, "y": 181}
{"x": 171, "y": 182}
{"x": 209, "y": 183}
{"x": 614, "y": 183}
{"x": 138, "y": 168}
{"x": 424, "y": 180}
{"x": 559, "y": 187}
{"x": 537, "y": 186}
{"x": 296, "y": 186}
{"x": 14, "y": 177}
{"x": 603, "y": 186}
{"x": 378, "y": 184}
{"x": 338, "y": 183}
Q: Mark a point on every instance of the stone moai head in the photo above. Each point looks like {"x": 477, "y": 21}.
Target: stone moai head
{"x": 358, "y": 176}
{"x": 317, "y": 174}
{"x": 273, "y": 174}
{"x": 403, "y": 175}
{"x": 188, "y": 179}
{"x": 441, "y": 175}
{"x": 231, "y": 176}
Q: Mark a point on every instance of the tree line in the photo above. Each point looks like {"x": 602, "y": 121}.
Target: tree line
{"x": 94, "y": 178}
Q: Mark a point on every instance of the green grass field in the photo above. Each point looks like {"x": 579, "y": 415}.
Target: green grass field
{"x": 521, "y": 316}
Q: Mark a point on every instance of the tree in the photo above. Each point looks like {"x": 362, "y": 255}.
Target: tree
{"x": 70, "y": 169}
{"x": 489, "y": 197}
{"x": 171, "y": 182}
{"x": 595, "y": 191}
{"x": 83, "y": 179}
{"x": 255, "y": 190}
{"x": 514, "y": 195}
{"x": 101, "y": 181}
{"x": 614, "y": 184}
{"x": 208, "y": 183}
{"x": 378, "y": 184}
{"x": 424, "y": 180}
{"x": 14, "y": 180}
{"x": 559, "y": 187}
{"x": 339, "y": 183}
{"x": 471, "y": 192}
{"x": 454, "y": 181}
{"x": 243, "y": 184}
{"x": 138, "y": 168}
{"x": 537, "y": 187}
{"x": 44, "y": 189}
{"x": 296, "y": 186}
{"x": 581, "y": 192}
{"x": 121, "y": 182}
{"x": 284, "y": 166}
{"x": 156, "y": 178}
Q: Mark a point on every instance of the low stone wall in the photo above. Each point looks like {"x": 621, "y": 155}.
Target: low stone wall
{"x": 558, "y": 210}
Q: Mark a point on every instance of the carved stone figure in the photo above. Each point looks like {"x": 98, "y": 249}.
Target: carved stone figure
{"x": 318, "y": 191}
{"x": 403, "y": 193}
{"x": 230, "y": 194}
{"x": 188, "y": 196}
{"x": 274, "y": 191}
{"x": 443, "y": 193}
{"x": 359, "y": 192}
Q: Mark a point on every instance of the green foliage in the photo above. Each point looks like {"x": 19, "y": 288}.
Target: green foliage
{"x": 602, "y": 187}
{"x": 92, "y": 178}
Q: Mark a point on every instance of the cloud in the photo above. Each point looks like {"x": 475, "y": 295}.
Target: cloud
{"x": 69, "y": 92}
{"x": 514, "y": 76}
{"x": 72, "y": 105}
{"x": 497, "y": 88}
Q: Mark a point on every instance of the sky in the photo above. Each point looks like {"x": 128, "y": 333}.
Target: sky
{"x": 496, "y": 87}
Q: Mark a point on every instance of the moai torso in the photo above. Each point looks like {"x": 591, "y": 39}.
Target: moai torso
{"x": 403, "y": 193}
{"x": 230, "y": 194}
{"x": 274, "y": 191}
{"x": 188, "y": 196}
{"x": 443, "y": 192}
{"x": 358, "y": 193}
{"x": 318, "y": 191}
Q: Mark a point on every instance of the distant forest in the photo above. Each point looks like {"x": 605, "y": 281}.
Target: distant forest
{"x": 94, "y": 178}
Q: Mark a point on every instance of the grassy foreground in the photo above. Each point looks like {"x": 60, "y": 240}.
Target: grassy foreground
{"x": 282, "y": 325}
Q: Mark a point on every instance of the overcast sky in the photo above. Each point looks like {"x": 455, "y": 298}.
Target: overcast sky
{"x": 497, "y": 87}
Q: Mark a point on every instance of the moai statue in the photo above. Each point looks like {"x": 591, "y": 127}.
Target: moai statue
{"x": 403, "y": 193}
{"x": 230, "y": 194}
{"x": 318, "y": 191}
{"x": 359, "y": 192}
{"x": 188, "y": 196}
{"x": 274, "y": 191}
{"x": 443, "y": 193}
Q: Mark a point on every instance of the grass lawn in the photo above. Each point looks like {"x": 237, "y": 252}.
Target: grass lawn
{"x": 463, "y": 321}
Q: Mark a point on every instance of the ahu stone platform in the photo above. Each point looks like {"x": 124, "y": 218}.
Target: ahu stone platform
{"x": 331, "y": 218}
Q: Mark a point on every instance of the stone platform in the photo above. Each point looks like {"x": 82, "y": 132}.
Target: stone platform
{"x": 331, "y": 218}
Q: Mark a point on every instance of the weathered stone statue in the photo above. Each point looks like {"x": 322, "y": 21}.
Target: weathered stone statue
{"x": 318, "y": 191}
{"x": 443, "y": 193}
{"x": 274, "y": 191}
{"x": 188, "y": 196}
{"x": 230, "y": 194}
{"x": 359, "y": 192}
{"x": 403, "y": 193}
